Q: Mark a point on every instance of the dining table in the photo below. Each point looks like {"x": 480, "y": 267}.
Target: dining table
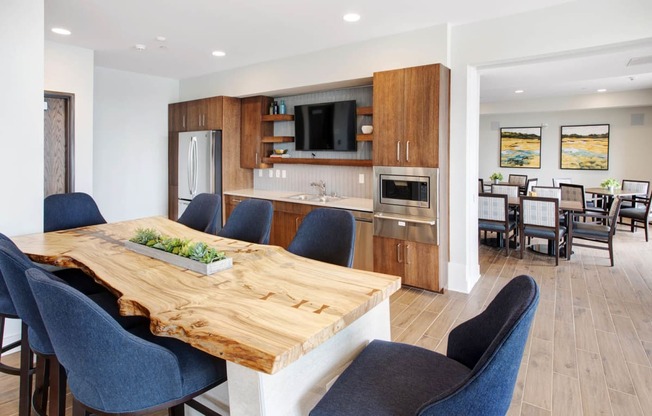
{"x": 286, "y": 325}
{"x": 608, "y": 195}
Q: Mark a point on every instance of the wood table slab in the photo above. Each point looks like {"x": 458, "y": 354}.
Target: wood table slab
{"x": 270, "y": 310}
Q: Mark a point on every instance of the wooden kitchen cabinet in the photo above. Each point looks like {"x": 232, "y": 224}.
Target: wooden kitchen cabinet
{"x": 286, "y": 221}
{"x": 416, "y": 263}
{"x": 177, "y": 120}
{"x": 253, "y": 129}
{"x": 204, "y": 114}
{"x": 411, "y": 115}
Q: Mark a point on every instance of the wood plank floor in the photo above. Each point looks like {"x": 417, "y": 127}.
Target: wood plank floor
{"x": 590, "y": 347}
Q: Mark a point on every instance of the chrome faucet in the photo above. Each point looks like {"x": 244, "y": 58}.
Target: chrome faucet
{"x": 321, "y": 187}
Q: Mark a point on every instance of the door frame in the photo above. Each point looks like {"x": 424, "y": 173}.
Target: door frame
{"x": 69, "y": 99}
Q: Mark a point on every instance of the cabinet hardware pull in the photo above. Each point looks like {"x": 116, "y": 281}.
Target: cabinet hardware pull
{"x": 296, "y": 224}
{"x": 398, "y": 253}
{"x": 398, "y": 150}
{"x": 256, "y": 162}
{"x": 407, "y": 254}
{"x": 407, "y": 151}
{"x": 183, "y": 121}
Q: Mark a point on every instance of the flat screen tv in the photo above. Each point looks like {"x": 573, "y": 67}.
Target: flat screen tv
{"x": 326, "y": 126}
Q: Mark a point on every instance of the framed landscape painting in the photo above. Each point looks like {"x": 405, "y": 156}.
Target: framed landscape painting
{"x": 585, "y": 147}
{"x": 520, "y": 147}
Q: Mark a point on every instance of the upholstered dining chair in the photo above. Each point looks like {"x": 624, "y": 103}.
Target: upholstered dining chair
{"x": 511, "y": 191}
{"x": 547, "y": 192}
{"x": 642, "y": 188}
{"x": 72, "y": 210}
{"x": 540, "y": 219}
{"x": 327, "y": 235}
{"x": 518, "y": 180}
{"x": 115, "y": 371}
{"x": 204, "y": 213}
{"x": 638, "y": 214}
{"x": 531, "y": 182}
{"x": 480, "y": 185}
{"x": 594, "y": 235}
{"x": 13, "y": 265}
{"x": 251, "y": 220}
{"x": 556, "y": 182}
{"x": 476, "y": 376}
{"x": 493, "y": 216}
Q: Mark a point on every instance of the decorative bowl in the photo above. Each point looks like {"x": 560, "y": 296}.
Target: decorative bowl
{"x": 367, "y": 129}
{"x": 280, "y": 151}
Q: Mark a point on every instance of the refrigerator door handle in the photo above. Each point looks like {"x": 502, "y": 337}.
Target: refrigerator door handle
{"x": 212, "y": 163}
{"x": 195, "y": 166}
{"x": 189, "y": 166}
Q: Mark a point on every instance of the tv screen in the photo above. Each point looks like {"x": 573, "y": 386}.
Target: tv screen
{"x": 326, "y": 126}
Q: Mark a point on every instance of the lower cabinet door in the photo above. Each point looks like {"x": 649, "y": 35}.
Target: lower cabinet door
{"x": 389, "y": 256}
{"x": 421, "y": 266}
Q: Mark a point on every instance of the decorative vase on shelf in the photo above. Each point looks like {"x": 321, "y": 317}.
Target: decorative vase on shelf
{"x": 496, "y": 181}
{"x": 611, "y": 188}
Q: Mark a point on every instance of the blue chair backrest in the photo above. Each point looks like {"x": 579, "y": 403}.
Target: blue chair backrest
{"x": 327, "y": 235}
{"x": 251, "y": 220}
{"x": 204, "y": 213}
{"x": 7, "y": 307}
{"x": 13, "y": 265}
{"x": 107, "y": 367}
{"x": 492, "y": 345}
{"x": 66, "y": 211}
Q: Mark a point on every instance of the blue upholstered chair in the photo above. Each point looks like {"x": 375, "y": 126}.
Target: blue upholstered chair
{"x": 13, "y": 265}
{"x": 72, "y": 210}
{"x": 204, "y": 213}
{"x": 327, "y": 235}
{"x": 475, "y": 377}
{"x": 251, "y": 220}
{"x": 115, "y": 370}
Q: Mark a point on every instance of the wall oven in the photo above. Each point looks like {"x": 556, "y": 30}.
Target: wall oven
{"x": 406, "y": 203}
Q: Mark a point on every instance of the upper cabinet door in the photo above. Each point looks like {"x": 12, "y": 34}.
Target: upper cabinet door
{"x": 177, "y": 120}
{"x": 388, "y": 117}
{"x": 205, "y": 114}
{"x": 410, "y": 115}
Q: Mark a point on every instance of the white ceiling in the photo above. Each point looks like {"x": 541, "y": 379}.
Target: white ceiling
{"x": 254, "y": 31}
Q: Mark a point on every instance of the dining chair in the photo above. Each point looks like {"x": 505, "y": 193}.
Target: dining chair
{"x": 251, "y": 220}
{"x": 640, "y": 187}
{"x": 327, "y": 235}
{"x": 556, "y": 182}
{"x": 13, "y": 265}
{"x": 71, "y": 210}
{"x": 116, "y": 371}
{"x": 532, "y": 182}
{"x": 518, "y": 180}
{"x": 203, "y": 213}
{"x": 595, "y": 233}
{"x": 547, "y": 192}
{"x": 476, "y": 376}
{"x": 638, "y": 214}
{"x": 480, "y": 185}
{"x": 540, "y": 219}
{"x": 493, "y": 216}
{"x": 511, "y": 191}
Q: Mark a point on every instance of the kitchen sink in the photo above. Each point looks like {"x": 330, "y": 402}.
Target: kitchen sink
{"x": 315, "y": 198}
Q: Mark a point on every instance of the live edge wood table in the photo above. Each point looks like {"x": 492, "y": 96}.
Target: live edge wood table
{"x": 286, "y": 325}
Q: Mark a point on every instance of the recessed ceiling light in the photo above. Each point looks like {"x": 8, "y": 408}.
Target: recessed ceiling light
{"x": 219, "y": 53}
{"x": 140, "y": 47}
{"x": 161, "y": 38}
{"x": 60, "y": 31}
{"x": 519, "y": 91}
{"x": 602, "y": 90}
{"x": 351, "y": 17}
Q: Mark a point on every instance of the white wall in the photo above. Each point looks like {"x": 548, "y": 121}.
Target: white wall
{"x": 349, "y": 62}
{"x": 629, "y": 146}
{"x": 572, "y": 26}
{"x": 70, "y": 69}
{"x": 21, "y": 118}
{"x": 130, "y": 147}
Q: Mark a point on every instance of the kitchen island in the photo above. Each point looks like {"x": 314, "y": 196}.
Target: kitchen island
{"x": 286, "y": 325}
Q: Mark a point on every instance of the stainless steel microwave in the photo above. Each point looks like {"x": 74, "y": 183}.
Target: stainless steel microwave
{"x": 406, "y": 190}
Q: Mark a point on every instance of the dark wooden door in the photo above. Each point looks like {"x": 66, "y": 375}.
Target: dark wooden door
{"x": 58, "y": 143}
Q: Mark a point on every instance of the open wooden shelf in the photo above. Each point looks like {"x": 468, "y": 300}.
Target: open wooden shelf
{"x": 331, "y": 162}
{"x": 364, "y": 138}
{"x": 364, "y": 111}
{"x": 277, "y": 139}
{"x": 278, "y": 117}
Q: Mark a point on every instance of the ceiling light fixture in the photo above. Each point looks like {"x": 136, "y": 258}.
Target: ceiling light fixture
{"x": 61, "y": 31}
{"x": 519, "y": 91}
{"x": 351, "y": 17}
{"x": 161, "y": 38}
{"x": 140, "y": 47}
{"x": 219, "y": 53}
{"x": 602, "y": 90}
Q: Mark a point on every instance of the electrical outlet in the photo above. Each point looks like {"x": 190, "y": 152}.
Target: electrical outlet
{"x": 271, "y": 173}
{"x": 284, "y": 174}
{"x": 278, "y": 173}
{"x": 361, "y": 178}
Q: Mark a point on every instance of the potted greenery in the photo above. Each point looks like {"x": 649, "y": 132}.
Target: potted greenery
{"x": 610, "y": 184}
{"x": 496, "y": 177}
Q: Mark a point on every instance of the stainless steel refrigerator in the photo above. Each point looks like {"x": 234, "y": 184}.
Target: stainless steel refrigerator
{"x": 200, "y": 165}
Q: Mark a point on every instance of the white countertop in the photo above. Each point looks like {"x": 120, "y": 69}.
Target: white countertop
{"x": 357, "y": 204}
